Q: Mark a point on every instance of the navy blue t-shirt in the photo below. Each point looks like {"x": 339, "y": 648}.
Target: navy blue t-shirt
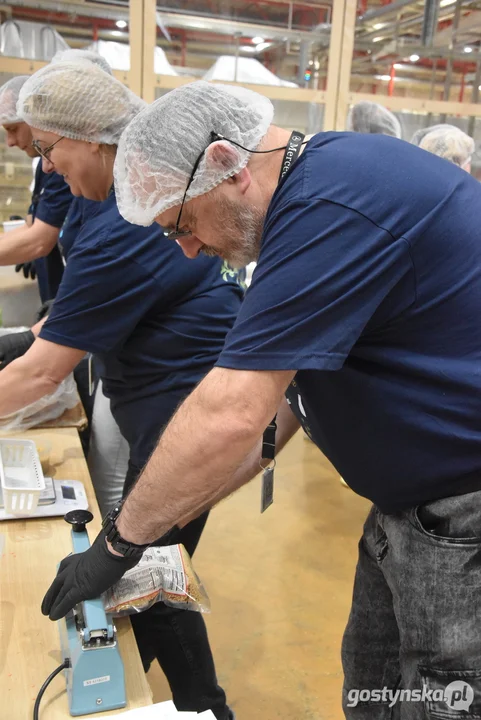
{"x": 369, "y": 285}
{"x": 79, "y": 211}
{"x": 51, "y": 199}
{"x": 155, "y": 320}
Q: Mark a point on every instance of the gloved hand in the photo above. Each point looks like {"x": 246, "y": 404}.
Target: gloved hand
{"x": 83, "y": 576}
{"x": 28, "y": 269}
{"x": 44, "y": 309}
{"x": 14, "y": 345}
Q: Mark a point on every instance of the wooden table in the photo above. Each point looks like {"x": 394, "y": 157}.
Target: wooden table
{"x": 29, "y": 642}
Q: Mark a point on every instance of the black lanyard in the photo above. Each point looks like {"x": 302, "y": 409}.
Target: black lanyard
{"x": 291, "y": 153}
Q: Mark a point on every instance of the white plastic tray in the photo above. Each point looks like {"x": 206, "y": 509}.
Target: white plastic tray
{"x": 21, "y": 476}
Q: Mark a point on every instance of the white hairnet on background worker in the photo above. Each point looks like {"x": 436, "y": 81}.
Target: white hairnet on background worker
{"x": 152, "y": 170}
{"x": 54, "y": 100}
{"x": 422, "y": 132}
{"x": 73, "y": 54}
{"x": 8, "y": 100}
{"x": 368, "y": 117}
{"x": 450, "y": 143}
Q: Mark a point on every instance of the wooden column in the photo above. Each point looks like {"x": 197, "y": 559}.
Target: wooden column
{"x": 149, "y": 43}
{"x": 136, "y": 25}
{"x": 340, "y": 62}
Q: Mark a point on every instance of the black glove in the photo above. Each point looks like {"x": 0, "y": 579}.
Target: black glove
{"x": 14, "y": 345}
{"x": 44, "y": 309}
{"x": 28, "y": 270}
{"x": 83, "y": 576}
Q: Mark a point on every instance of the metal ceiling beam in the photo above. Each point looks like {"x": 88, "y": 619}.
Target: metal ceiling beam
{"x": 430, "y": 22}
{"x": 230, "y": 27}
{"x": 385, "y": 10}
{"x": 76, "y": 8}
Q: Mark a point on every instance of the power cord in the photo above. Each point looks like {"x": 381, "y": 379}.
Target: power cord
{"x": 36, "y": 707}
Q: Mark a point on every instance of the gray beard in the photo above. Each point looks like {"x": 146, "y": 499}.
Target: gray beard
{"x": 245, "y": 226}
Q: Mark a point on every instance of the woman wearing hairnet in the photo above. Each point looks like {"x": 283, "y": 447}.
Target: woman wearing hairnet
{"x": 154, "y": 321}
{"x": 447, "y": 141}
{"x": 372, "y": 118}
{"x": 102, "y": 441}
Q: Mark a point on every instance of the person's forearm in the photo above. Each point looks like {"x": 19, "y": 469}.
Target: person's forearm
{"x": 21, "y": 385}
{"x": 287, "y": 426}
{"x": 23, "y": 245}
{"x": 200, "y": 451}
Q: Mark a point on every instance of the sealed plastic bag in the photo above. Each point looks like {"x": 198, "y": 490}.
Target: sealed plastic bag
{"x": 163, "y": 574}
{"x": 46, "y": 408}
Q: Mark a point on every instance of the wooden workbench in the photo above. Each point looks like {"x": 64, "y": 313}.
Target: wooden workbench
{"x": 29, "y": 642}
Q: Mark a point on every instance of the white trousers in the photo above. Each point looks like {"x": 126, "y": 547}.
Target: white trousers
{"x": 108, "y": 454}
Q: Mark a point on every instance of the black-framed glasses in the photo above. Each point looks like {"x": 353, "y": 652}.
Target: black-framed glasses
{"x": 177, "y": 233}
{"x": 45, "y": 153}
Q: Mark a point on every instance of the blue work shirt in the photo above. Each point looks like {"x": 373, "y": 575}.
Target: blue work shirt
{"x": 51, "y": 200}
{"x": 369, "y": 286}
{"x": 155, "y": 320}
{"x": 79, "y": 211}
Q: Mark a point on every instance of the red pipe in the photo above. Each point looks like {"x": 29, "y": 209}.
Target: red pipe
{"x": 390, "y": 90}
{"x": 95, "y": 31}
{"x": 463, "y": 83}
{"x": 362, "y": 7}
{"x": 183, "y": 49}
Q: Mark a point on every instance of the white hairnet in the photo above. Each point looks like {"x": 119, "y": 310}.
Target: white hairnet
{"x": 158, "y": 150}
{"x": 450, "y": 143}
{"x": 8, "y": 99}
{"x": 72, "y": 55}
{"x": 79, "y": 101}
{"x": 369, "y": 117}
{"x": 420, "y": 134}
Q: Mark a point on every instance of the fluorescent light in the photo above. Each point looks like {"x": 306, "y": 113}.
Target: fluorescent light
{"x": 397, "y": 66}
{"x": 414, "y": 58}
{"x": 468, "y": 49}
{"x": 247, "y": 48}
{"x": 262, "y": 46}
{"x": 445, "y": 3}
{"x": 379, "y": 26}
{"x": 117, "y": 33}
{"x": 121, "y": 24}
{"x": 257, "y": 39}
{"x": 386, "y": 78}
{"x": 377, "y": 39}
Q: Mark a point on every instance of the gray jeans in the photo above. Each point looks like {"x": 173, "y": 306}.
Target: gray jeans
{"x": 412, "y": 646}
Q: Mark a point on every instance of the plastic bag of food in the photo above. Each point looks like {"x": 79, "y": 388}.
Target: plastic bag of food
{"x": 46, "y": 408}
{"x": 163, "y": 574}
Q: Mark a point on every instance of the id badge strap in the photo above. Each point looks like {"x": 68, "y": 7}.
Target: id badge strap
{"x": 269, "y": 441}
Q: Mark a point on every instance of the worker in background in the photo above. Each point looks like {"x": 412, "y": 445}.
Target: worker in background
{"x": 420, "y": 134}
{"x": 450, "y": 143}
{"x": 102, "y": 441}
{"x": 372, "y": 118}
{"x": 51, "y": 198}
{"x": 107, "y": 451}
{"x": 364, "y": 312}
{"x": 155, "y": 323}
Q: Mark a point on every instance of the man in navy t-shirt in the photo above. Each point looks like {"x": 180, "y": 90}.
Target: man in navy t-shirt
{"x": 33, "y": 247}
{"x": 365, "y": 312}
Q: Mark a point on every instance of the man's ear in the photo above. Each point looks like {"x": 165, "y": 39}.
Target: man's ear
{"x": 242, "y": 180}
{"x": 221, "y": 155}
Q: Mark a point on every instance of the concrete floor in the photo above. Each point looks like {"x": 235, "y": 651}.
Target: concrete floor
{"x": 280, "y": 586}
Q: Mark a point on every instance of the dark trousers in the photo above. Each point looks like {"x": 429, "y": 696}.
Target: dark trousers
{"x": 414, "y": 632}
{"x": 178, "y": 638}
